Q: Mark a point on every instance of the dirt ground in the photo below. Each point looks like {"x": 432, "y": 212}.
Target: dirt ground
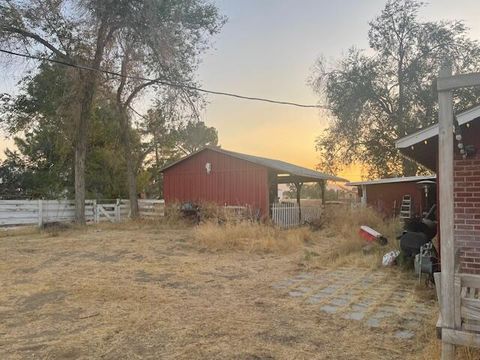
{"x": 143, "y": 291}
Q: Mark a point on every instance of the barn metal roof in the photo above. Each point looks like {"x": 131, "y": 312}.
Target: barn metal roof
{"x": 281, "y": 167}
{"x": 392, "y": 180}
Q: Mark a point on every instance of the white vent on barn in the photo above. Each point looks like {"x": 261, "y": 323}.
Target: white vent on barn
{"x": 208, "y": 167}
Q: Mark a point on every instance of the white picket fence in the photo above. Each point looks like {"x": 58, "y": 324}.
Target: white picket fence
{"x": 38, "y": 212}
{"x": 286, "y": 215}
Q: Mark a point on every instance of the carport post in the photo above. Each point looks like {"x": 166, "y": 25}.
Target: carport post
{"x": 298, "y": 186}
{"x": 322, "y": 189}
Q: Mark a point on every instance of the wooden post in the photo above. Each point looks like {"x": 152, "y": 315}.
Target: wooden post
{"x": 298, "y": 186}
{"x": 95, "y": 211}
{"x": 40, "y": 213}
{"x": 445, "y": 171}
{"x": 322, "y": 189}
{"x": 363, "y": 199}
{"x": 117, "y": 210}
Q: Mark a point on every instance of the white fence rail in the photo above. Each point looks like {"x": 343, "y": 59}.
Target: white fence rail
{"x": 287, "y": 215}
{"x": 38, "y": 212}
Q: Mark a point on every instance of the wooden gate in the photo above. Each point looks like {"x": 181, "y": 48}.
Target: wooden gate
{"x": 108, "y": 210}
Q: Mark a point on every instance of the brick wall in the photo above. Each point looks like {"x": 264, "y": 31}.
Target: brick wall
{"x": 467, "y": 212}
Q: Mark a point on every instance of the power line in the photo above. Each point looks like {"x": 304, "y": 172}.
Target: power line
{"x": 164, "y": 82}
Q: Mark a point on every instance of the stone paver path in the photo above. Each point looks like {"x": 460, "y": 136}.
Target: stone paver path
{"x": 360, "y": 295}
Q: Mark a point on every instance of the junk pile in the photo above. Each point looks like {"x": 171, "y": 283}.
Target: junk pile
{"x": 416, "y": 246}
{"x": 190, "y": 211}
{"x": 416, "y": 243}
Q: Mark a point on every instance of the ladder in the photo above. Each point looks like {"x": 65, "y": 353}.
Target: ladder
{"x": 406, "y": 207}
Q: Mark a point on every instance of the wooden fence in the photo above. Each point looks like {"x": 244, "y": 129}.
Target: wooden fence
{"x": 38, "y": 212}
{"x": 287, "y": 215}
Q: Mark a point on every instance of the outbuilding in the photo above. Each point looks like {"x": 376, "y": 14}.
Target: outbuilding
{"x": 230, "y": 178}
{"x": 400, "y": 196}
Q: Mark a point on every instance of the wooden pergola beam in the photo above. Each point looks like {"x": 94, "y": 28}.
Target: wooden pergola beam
{"x": 449, "y": 82}
{"x": 445, "y": 85}
{"x": 291, "y": 179}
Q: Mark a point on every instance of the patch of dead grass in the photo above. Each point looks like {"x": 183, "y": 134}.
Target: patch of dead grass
{"x": 251, "y": 237}
{"x": 339, "y": 242}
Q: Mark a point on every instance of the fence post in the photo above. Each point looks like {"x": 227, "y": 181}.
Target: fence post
{"x": 95, "y": 211}
{"x": 40, "y": 213}
{"x": 117, "y": 210}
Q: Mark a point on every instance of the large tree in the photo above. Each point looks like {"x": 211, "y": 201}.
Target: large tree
{"x": 77, "y": 32}
{"x": 95, "y": 34}
{"x": 380, "y": 95}
{"x": 163, "y": 43}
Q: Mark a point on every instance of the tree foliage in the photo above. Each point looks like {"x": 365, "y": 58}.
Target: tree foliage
{"x": 380, "y": 95}
{"x": 42, "y": 164}
{"x": 172, "y": 133}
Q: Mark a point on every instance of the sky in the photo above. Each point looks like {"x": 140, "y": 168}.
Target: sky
{"x": 267, "y": 49}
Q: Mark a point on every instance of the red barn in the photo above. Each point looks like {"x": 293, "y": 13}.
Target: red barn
{"x": 230, "y": 178}
{"x": 422, "y": 147}
{"x": 386, "y": 195}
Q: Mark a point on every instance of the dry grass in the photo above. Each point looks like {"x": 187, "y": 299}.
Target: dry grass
{"x": 339, "y": 244}
{"x": 148, "y": 289}
{"x": 336, "y": 244}
{"x": 144, "y": 290}
{"x": 251, "y": 237}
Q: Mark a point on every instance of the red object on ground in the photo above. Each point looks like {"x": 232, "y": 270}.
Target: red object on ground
{"x": 369, "y": 234}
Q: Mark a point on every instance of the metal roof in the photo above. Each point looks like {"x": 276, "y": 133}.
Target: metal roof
{"x": 277, "y": 165}
{"x": 432, "y": 131}
{"x": 393, "y": 180}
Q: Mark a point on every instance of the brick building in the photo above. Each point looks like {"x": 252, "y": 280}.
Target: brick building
{"x": 422, "y": 147}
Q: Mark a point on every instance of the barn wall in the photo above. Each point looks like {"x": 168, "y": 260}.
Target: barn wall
{"x": 387, "y": 198}
{"x": 231, "y": 181}
{"x": 467, "y": 205}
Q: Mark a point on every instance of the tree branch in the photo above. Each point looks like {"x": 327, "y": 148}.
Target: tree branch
{"x": 37, "y": 39}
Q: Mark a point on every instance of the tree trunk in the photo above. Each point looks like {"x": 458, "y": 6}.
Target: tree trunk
{"x": 131, "y": 168}
{"x": 80, "y": 158}
{"x": 88, "y": 86}
{"x": 81, "y": 137}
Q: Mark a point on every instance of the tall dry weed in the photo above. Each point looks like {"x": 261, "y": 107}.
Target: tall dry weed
{"x": 341, "y": 243}
{"x": 251, "y": 237}
{"x": 338, "y": 242}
